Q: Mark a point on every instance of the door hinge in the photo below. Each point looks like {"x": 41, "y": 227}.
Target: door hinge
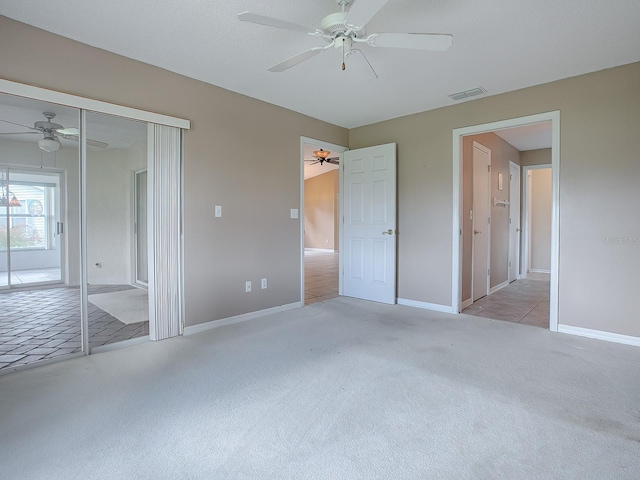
{"x": 488, "y": 272}
{"x": 489, "y": 168}
{"x": 489, "y": 220}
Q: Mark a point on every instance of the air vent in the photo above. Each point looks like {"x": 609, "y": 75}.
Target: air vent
{"x": 467, "y": 93}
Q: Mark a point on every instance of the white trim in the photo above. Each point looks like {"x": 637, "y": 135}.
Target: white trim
{"x": 539, "y": 270}
{"x": 425, "y": 306}
{"x": 519, "y": 226}
{"x": 458, "y": 133}
{"x": 499, "y": 287}
{"x": 29, "y": 91}
{"x": 201, "y": 327}
{"x": 340, "y": 149}
{"x": 328, "y": 250}
{"x": 600, "y": 335}
{"x": 468, "y": 302}
{"x": 118, "y": 345}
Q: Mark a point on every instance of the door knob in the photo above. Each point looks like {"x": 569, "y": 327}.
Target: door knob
{"x": 475, "y": 232}
{"x": 517, "y": 230}
{"x": 388, "y": 232}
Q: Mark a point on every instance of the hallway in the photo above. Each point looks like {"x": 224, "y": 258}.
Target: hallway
{"x": 524, "y": 301}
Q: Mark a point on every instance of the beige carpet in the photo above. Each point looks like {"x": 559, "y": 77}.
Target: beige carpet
{"x": 128, "y": 306}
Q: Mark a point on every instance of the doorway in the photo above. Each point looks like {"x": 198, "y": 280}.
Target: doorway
{"x": 140, "y": 229}
{"x": 321, "y": 180}
{"x": 31, "y": 240}
{"x": 502, "y": 212}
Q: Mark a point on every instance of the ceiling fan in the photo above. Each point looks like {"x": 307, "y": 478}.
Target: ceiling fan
{"x": 51, "y": 133}
{"x": 345, "y": 29}
{"x": 321, "y": 156}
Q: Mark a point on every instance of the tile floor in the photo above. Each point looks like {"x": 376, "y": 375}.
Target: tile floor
{"x": 320, "y": 275}
{"x": 40, "y": 275}
{"x": 524, "y": 301}
{"x": 44, "y": 323}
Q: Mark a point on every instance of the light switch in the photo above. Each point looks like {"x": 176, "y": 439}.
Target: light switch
{"x": 218, "y": 211}
{"x": 294, "y": 213}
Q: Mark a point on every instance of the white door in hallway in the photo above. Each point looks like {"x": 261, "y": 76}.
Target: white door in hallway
{"x": 481, "y": 220}
{"x": 369, "y": 221}
{"x": 514, "y": 222}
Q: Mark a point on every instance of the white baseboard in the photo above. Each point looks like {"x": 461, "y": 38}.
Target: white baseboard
{"x": 426, "y": 306}
{"x": 539, "y": 270}
{"x": 466, "y": 303}
{"x": 328, "y": 250}
{"x": 600, "y": 335}
{"x": 201, "y": 327}
{"x": 118, "y": 345}
{"x": 498, "y": 287}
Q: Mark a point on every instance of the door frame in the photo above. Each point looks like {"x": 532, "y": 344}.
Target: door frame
{"x": 61, "y": 216}
{"x": 526, "y": 215}
{"x": 518, "y": 250}
{"x": 339, "y": 149}
{"x": 134, "y": 229}
{"x": 458, "y": 134}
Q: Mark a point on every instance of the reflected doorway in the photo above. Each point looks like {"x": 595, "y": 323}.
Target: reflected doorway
{"x": 31, "y": 240}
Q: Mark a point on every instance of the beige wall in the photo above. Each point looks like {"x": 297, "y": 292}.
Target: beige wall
{"x": 540, "y": 233}
{"x": 320, "y": 203}
{"x": 501, "y": 154}
{"x": 224, "y": 164}
{"x": 110, "y": 213}
{"x": 599, "y": 194}
{"x": 541, "y": 156}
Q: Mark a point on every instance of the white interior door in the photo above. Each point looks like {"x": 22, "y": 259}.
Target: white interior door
{"x": 369, "y": 199}
{"x": 514, "y": 222}
{"x": 481, "y": 220}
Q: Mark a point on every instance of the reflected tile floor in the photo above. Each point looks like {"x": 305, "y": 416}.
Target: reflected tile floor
{"x": 44, "y": 323}
{"x": 40, "y": 275}
{"x": 523, "y": 301}
{"x": 320, "y": 275}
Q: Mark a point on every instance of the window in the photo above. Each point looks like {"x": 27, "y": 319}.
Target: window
{"x": 30, "y": 222}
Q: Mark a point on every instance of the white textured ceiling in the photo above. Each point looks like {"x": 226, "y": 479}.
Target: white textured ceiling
{"x": 529, "y": 137}
{"x": 501, "y": 45}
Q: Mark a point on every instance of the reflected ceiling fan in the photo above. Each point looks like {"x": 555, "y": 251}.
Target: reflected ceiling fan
{"x": 346, "y": 29}
{"x": 321, "y": 156}
{"x": 51, "y": 133}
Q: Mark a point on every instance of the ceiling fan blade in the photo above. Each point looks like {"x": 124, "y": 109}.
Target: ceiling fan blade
{"x": 68, "y": 131}
{"x": 417, "y": 41}
{"x": 333, "y": 161}
{"x": 362, "y": 11}
{"x": 296, "y": 59}
{"x": 18, "y": 133}
{"x": 356, "y": 60}
{"x": 90, "y": 142}
{"x": 273, "y": 22}
{"x": 20, "y": 125}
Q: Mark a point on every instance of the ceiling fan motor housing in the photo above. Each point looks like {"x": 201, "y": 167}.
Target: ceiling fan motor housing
{"x": 334, "y": 25}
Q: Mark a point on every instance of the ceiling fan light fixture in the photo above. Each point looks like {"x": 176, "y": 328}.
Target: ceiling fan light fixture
{"x": 323, "y": 154}
{"x": 14, "y": 201}
{"x": 49, "y": 144}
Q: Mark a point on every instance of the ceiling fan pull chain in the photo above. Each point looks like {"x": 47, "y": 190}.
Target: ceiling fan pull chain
{"x": 343, "y": 65}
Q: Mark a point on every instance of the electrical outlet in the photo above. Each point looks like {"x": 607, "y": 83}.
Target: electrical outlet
{"x": 263, "y": 283}
{"x": 247, "y": 286}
